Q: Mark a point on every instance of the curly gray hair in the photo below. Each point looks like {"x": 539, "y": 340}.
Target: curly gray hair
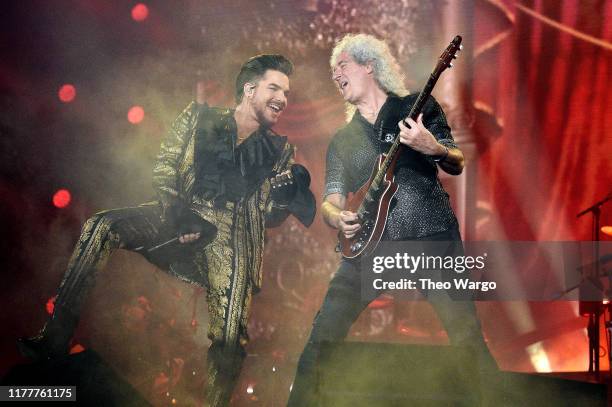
{"x": 364, "y": 48}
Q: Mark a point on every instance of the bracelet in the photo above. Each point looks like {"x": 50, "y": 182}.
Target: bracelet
{"x": 279, "y": 206}
{"x": 441, "y": 158}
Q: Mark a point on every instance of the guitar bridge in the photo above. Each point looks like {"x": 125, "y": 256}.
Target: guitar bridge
{"x": 356, "y": 246}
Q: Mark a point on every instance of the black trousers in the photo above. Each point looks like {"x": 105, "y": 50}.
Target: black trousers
{"x": 343, "y": 304}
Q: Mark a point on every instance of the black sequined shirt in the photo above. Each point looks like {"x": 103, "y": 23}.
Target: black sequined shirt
{"x": 421, "y": 207}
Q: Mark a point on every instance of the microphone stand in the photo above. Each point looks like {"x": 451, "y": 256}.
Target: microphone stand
{"x": 595, "y": 309}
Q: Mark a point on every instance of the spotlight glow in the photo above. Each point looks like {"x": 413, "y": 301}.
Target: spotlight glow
{"x": 77, "y": 348}
{"x": 67, "y": 93}
{"x": 61, "y": 198}
{"x": 50, "y": 305}
{"x": 539, "y": 358}
{"x": 140, "y": 12}
{"x": 135, "y": 114}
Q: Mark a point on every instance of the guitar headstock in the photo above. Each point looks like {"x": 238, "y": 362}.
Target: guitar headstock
{"x": 450, "y": 53}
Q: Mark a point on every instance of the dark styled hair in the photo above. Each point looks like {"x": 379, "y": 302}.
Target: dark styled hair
{"x": 253, "y": 69}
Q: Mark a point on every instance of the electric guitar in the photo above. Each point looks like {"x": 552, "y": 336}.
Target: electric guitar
{"x": 371, "y": 202}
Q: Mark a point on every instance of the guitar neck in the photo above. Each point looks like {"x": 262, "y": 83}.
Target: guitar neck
{"x": 422, "y": 98}
{"x": 444, "y": 62}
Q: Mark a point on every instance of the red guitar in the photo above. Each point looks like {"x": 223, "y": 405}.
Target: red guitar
{"x": 371, "y": 203}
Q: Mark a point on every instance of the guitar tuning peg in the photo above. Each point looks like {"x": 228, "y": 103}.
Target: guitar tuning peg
{"x": 450, "y": 65}
{"x": 461, "y": 46}
{"x": 454, "y": 56}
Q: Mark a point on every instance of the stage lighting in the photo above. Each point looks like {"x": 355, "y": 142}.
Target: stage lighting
{"x": 135, "y": 114}
{"x": 140, "y": 12}
{"x": 50, "y": 305}
{"x": 61, "y": 198}
{"x": 67, "y": 93}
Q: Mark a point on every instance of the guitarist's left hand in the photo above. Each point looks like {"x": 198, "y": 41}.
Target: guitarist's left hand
{"x": 420, "y": 139}
{"x": 417, "y": 137}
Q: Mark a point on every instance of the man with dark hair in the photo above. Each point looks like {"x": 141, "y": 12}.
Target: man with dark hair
{"x": 222, "y": 176}
{"x": 371, "y": 83}
{"x": 256, "y": 67}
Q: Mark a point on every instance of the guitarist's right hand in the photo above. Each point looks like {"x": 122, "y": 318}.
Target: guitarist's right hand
{"x": 348, "y": 223}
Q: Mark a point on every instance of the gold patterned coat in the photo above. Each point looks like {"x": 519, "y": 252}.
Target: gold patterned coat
{"x": 240, "y": 223}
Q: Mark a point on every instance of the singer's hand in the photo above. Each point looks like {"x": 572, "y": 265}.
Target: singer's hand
{"x": 189, "y": 237}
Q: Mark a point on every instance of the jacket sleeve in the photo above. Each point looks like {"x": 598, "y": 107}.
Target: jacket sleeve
{"x": 173, "y": 147}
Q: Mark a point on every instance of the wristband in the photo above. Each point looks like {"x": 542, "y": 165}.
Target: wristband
{"x": 441, "y": 158}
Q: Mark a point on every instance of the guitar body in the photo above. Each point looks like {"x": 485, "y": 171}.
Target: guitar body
{"x": 374, "y": 220}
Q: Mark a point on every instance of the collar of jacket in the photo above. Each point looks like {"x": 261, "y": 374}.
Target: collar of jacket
{"x": 226, "y": 172}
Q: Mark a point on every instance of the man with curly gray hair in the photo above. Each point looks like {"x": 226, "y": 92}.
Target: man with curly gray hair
{"x": 371, "y": 83}
{"x": 365, "y": 49}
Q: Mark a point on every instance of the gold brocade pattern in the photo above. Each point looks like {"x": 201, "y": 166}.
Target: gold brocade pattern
{"x": 218, "y": 263}
{"x": 173, "y": 179}
{"x": 173, "y": 173}
{"x": 229, "y": 267}
{"x": 231, "y": 264}
{"x": 95, "y": 244}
